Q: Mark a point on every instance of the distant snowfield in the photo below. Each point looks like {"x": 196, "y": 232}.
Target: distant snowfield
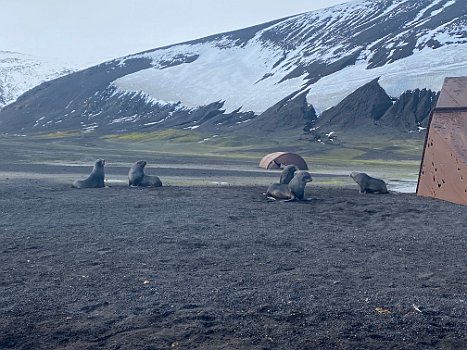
{"x": 236, "y": 76}
{"x": 19, "y": 73}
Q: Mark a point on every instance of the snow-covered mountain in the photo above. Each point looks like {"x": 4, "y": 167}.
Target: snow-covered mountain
{"x": 19, "y": 73}
{"x": 228, "y": 81}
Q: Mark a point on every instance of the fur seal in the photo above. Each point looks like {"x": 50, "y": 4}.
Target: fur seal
{"x": 369, "y": 184}
{"x": 136, "y": 176}
{"x": 294, "y": 190}
{"x": 288, "y": 174}
{"x": 95, "y": 179}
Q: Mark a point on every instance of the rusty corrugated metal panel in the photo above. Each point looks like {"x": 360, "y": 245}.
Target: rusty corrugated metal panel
{"x": 443, "y": 172}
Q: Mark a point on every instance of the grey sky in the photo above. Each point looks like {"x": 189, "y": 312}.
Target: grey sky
{"x": 85, "y": 32}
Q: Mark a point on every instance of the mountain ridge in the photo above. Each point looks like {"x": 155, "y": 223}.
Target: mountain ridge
{"x": 226, "y": 81}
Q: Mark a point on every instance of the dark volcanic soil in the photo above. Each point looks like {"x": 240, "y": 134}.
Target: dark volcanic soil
{"x": 223, "y": 268}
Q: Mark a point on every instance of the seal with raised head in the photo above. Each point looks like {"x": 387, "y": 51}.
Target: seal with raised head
{"x": 136, "y": 176}
{"x": 294, "y": 190}
{"x": 369, "y": 184}
{"x": 95, "y": 179}
{"x": 287, "y": 174}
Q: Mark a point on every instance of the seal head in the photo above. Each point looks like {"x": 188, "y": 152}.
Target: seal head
{"x": 287, "y": 174}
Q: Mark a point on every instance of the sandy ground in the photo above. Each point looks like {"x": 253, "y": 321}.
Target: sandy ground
{"x": 220, "y": 267}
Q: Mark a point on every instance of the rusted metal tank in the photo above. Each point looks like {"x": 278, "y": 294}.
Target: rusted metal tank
{"x": 443, "y": 171}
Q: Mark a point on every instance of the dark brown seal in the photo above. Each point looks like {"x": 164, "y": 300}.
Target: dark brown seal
{"x": 369, "y": 184}
{"x": 136, "y": 176}
{"x": 95, "y": 179}
{"x": 287, "y": 174}
{"x": 294, "y": 190}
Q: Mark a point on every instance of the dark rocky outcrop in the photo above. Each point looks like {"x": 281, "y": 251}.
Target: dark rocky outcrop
{"x": 209, "y": 118}
{"x": 358, "y": 111}
{"x": 369, "y": 110}
{"x": 291, "y": 113}
{"x": 410, "y": 111}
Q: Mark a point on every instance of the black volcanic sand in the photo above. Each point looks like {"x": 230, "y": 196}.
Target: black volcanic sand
{"x": 223, "y": 268}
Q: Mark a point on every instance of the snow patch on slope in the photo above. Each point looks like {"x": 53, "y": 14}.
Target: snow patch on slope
{"x": 422, "y": 69}
{"x": 234, "y": 74}
{"x": 236, "y": 77}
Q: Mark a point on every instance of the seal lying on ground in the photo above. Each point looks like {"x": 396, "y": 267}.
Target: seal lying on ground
{"x": 288, "y": 174}
{"x": 294, "y": 190}
{"x": 136, "y": 176}
{"x": 96, "y": 179}
{"x": 369, "y": 184}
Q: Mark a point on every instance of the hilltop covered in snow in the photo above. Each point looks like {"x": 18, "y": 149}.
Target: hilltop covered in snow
{"x": 409, "y": 44}
{"x": 19, "y": 73}
{"x": 227, "y": 81}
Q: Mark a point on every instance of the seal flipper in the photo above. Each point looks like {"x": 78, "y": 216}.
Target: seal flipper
{"x": 292, "y": 199}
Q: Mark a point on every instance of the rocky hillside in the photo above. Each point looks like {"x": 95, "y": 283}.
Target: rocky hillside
{"x": 273, "y": 77}
{"x": 369, "y": 111}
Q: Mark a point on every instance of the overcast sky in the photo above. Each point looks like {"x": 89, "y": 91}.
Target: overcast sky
{"x": 87, "y": 32}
